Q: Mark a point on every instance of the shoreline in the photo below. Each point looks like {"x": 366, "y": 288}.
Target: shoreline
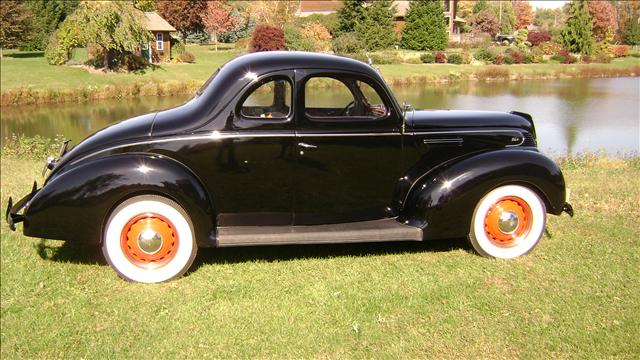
{"x": 411, "y": 74}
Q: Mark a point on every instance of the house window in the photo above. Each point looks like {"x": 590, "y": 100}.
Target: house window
{"x": 159, "y": 41}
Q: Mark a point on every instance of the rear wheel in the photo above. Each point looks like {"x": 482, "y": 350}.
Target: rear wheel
{"x": 149, "y": 239}
{"x": 507, "y": 222}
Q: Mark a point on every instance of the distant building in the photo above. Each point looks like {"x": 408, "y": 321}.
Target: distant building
{"x": 158, "y": 50}
{"x": 309, "y": 7}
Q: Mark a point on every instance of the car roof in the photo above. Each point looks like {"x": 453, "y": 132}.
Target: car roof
{"x": 261, "y": 62}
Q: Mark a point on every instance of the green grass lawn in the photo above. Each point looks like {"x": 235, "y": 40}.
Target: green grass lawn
{"x": 30, "y": 70}
{"x": 576, "y": 296}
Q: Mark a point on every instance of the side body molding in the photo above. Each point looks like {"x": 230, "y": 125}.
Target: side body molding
{"x": 75, "y": 205}
{"x": 443, "y": 200}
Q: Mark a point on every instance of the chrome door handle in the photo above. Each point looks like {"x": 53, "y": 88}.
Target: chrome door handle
{"x": 307, "y": 146}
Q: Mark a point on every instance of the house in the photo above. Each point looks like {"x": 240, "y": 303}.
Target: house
{"x": 159, "y": 49}
{"x": 309, "y": 7}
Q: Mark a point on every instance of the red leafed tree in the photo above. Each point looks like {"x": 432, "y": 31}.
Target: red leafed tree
{"x": 183, "y": 15}
{"x": 267, "y": 38}
{"x": 604, "y": 18}
{"x": 524, "y": 14}
{"x": 217, "y": 18}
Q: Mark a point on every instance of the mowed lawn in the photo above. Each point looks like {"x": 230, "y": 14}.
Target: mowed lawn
{"x": 31, "y": 71}
{"x": 576, "y": 296}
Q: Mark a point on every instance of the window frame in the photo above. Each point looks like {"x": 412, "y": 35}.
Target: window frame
{"x": 159, "y": 41}
{"x": 379, "y": 89}
{"x": 254, "y": 86}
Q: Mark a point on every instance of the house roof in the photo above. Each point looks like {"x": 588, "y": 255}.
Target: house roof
{"x": 155, "y": 22}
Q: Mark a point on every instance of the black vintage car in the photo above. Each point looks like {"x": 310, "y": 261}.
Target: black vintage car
{"x": 294, "y": 148}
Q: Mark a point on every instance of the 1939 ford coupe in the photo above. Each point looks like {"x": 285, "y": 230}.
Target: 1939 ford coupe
{"x": 294, "y": 148}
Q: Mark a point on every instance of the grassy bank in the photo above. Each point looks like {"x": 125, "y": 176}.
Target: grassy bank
{"x": 575, "y": 296}
{"x": 28, "y": 79}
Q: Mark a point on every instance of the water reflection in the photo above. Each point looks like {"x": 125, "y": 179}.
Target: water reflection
{"x": 572, "y": 115}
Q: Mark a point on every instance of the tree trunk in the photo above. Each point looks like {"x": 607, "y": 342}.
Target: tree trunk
{"x": 215, "y": 40}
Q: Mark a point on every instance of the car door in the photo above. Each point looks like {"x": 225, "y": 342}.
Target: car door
{"x": 349, "y": 144}
{"x": 253, "y": 171}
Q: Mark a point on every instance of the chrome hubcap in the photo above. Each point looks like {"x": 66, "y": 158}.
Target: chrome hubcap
{"x": 508, "y": 222}
{"x": 150, "y": 241}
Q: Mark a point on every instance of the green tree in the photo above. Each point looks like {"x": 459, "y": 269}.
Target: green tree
{"x": 47, "y": 16}
{"x": 351, "y": 12}
{"x": 425, "y": 28}
{"x": 144, "y": 5}
{"x": 480, "y": 6}
{"x": 14, "y": 24}
{"x": 631, "y": 35}
{"x": 114, "y": 27}
{"x": 505, "y": 15}
{"x": 376, "y": 28}
{"x": 577, "y": 33}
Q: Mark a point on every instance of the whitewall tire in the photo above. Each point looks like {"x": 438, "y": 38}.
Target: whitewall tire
{"x": 149, "y": 239}
{"x": 507, "y": 222}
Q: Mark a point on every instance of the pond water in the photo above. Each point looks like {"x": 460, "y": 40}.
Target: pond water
{"x": 571, "y": 116}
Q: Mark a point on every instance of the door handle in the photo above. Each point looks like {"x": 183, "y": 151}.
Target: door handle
{"x": 307, "y": 146}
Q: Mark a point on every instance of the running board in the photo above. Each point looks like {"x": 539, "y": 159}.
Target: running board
{"x": 357, "y": 232}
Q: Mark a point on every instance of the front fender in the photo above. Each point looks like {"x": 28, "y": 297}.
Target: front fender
{"x": 75, "y": 204}
{"x": 442, "y": 201}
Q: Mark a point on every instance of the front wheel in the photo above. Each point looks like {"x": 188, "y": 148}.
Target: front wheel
{"x": 149, "y": 239}
{"x": 507, "y": 222}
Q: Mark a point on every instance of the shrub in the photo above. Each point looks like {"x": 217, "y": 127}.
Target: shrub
{"x": 538, "y": 37}
{"x": 131, "y": 62}
{"x": 550, "y": 48}
{"x": 441, "y": 57}
{"x": 564, "y": 57}
{"x": 428, "y": 58}
{"x": 318, "y": 35}
{"x": 586, "y": 59}
{"x": 267, "y": 38}
{"x": 294, "y": 40}
{"x": 528, "y": 58}
{"x": 499, "y": 60}
{"x": 454, "y": 59}
{"x": 517, "y": 57}
{"x": 177, "y": 47}
{"x": 346, "y": 43}
{"x": 186, "y": 57}
{"x": 620, "y": 51}
{"x": 522, "y": 37}
{"x": 487, "y": 55}
{"x": 602, "y": 58}
{"x": 508, "y": 59}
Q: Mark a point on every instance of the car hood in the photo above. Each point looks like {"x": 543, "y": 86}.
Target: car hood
{"x": 134, "y": 129}
{"x": 454, "y": 119}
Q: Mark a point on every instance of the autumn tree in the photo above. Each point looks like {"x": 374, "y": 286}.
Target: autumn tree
{"x": 351, "y": 12}
{"x": 505, "y": 15}
{"x": 628, "y": 21}
{"x": 144, "y": 5}
{"x": 218, "y": 18}
{"x": 524, "y": 14}
{"x": 184, "y": 15}
{"x": 485, "y": 22}
{"x": 273, "y": 12}
{"x": 547, "y": 19}
{"x": 425, "y": 28}
{"x": 577, "y": 33}
{"x": 604, "y": 19}
{"x": 14, "y": 24}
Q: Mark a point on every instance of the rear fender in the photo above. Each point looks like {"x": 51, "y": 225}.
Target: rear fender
{"x": 442, "y": 201}
{"x": 75, "y": 204}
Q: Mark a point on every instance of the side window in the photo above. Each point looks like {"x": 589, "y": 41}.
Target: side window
{"x": 342, "y": 98}
{"x": 270, "y": 100}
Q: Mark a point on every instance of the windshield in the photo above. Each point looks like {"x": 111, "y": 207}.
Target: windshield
{"x": 206, "y": 84}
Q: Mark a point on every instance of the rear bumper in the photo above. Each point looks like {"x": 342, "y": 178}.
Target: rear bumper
{"x": 15, "y": 212}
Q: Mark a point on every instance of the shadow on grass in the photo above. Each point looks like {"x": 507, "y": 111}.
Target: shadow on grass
{"x": 78, "y": 253}
{"x": 24, "y": 55}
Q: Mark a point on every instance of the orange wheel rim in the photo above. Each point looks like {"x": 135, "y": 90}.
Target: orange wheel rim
{"x": 508, "y": 221}
{"x": 149, "y": 240}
